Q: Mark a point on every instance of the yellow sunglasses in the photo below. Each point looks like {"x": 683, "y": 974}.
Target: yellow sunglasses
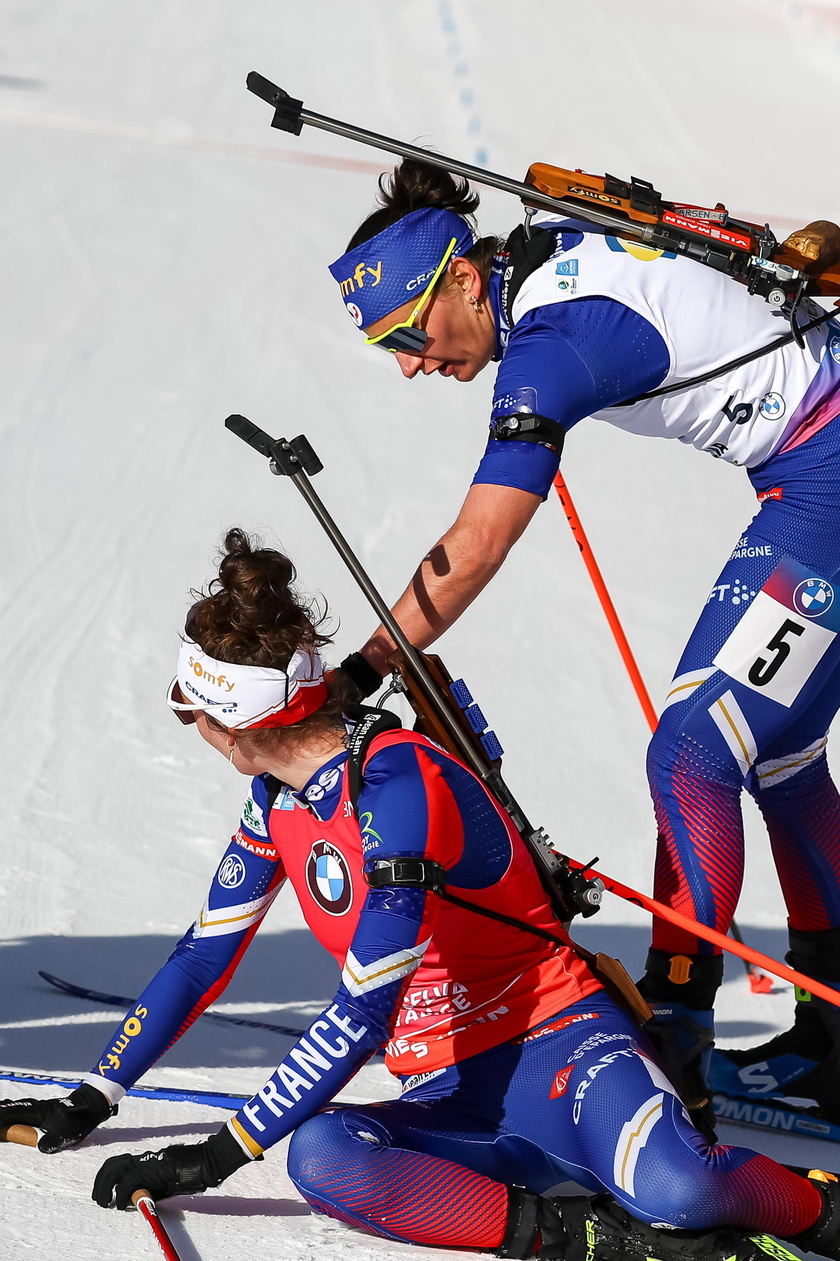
{"x": 404, "y": 336}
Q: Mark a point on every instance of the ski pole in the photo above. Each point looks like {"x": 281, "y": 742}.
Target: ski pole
{"x": 594, "y": 571}
{"x": 27, "y": 1136}
{"x": 759, "y": 984}
{"x": 147, "y": 1209}
{"x": 734, "y": 946}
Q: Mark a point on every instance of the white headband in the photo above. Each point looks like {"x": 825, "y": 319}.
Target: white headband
{"x": 251, "y": 696}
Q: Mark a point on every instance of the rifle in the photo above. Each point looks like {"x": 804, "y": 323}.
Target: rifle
{"x": 444, "y": 708}
{"x": 748, "y": 252}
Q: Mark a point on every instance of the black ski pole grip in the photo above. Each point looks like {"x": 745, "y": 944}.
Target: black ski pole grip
{"x": 287, "y": 110}
{"x": 252, "y": 434}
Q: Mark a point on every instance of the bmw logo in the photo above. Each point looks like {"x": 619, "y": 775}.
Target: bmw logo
{"x": 772, "y": 407}
{"x": 813, "y": 597}
{"x": 328, "y": 878}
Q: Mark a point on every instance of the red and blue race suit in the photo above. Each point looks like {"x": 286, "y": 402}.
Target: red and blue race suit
{"x": 516, "y": 1067}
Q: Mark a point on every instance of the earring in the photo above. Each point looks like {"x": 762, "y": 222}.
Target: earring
{"x": 232, "y": 747}
{"x": 476, "y": 305}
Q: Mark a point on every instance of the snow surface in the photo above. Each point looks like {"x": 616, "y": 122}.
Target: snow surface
{"x": 162, "y": 264}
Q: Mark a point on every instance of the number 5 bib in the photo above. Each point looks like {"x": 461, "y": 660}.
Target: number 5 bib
{"x": 784, "y": 634}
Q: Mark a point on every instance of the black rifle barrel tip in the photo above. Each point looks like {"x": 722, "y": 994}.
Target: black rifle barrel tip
{"x": 252, "y": 434}
{"x": 264, "y": 88}
{"x": 287, "y": 109}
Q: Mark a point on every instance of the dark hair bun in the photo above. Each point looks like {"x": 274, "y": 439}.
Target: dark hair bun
{"x": 411, "y": 186}
{"x": 252, "y": 616}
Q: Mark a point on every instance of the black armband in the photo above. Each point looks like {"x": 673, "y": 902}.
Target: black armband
{"x": 359, "y": 670}
{"x": 529, "y": 427}
{"x": 405, "y": 873}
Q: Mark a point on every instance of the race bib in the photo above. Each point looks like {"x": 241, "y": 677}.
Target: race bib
{"x": 784, "y": 634}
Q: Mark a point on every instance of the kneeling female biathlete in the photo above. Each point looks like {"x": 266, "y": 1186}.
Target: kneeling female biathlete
{"x": 517, "y": 1071}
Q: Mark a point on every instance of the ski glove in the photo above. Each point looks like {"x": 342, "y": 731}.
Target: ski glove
{"x": 177, "y": 1170}
{"x": 65, "y": 1122}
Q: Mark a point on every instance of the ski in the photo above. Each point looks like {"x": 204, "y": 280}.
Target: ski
{"x": 775, "y": 1114}
{"x": 120, "y": 1000}
{"x": 211, "y": 1098}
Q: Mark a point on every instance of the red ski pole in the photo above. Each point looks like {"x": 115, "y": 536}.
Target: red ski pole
{"x": 734, "y": 946}
{"x": 759, "y": 984}
{"x": 147, "y": 1208}
{"x": 607, "y": 605}
{"x": 27, "y": 1136}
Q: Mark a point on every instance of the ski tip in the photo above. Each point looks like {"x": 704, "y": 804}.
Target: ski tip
{"x": 759, "y": 983}
{"x": 53, "y": 980}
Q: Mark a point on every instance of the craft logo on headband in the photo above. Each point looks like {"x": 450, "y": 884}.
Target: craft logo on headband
{"x": 397, "y": 264}
{"x": 250, "y": 697}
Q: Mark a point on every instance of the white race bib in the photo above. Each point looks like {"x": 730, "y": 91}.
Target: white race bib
{"x": 784, "y": 634}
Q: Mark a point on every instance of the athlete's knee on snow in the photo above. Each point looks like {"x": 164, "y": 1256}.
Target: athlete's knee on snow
{"x": 330, "y": 1148}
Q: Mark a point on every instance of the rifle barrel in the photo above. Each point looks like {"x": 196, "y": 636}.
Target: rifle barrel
{"x": 380, "y": 608}
{"x": 529, "y": 194}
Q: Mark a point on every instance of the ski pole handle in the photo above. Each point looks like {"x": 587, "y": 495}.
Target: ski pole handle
{"x": 146, "y": 1207}
{"x": 23, "y": 1134}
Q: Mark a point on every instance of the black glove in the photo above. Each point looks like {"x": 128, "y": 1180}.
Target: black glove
{"x": 65, "y": 1122}
{"x": 178, "y": 1170}
{"x": 360, "y": 672}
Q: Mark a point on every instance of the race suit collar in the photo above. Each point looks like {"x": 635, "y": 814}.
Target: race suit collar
{"x": 322, "y": 791}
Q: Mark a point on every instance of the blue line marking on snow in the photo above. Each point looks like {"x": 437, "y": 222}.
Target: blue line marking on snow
{"x": 461, "y": 70}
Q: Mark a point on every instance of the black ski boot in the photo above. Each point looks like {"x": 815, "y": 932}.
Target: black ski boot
{"x": 824, "y": 1236}
{"x": 680, "y": 990}
{"x": 804, "y": 1061}
{"x": 595, "y": 1228}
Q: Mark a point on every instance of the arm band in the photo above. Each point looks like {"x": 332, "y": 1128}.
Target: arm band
{"x": 529, "y": 427}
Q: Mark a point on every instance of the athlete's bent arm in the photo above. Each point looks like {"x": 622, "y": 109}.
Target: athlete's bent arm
{"x": 457, "y": 568}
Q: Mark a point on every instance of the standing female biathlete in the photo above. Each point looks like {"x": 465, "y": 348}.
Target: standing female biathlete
{"x": 518, "y": 1072}
{"x": 585, "y": 324}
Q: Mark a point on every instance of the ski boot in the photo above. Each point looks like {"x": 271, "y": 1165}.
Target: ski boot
{"x": 680, "y": 990}
{"x": 596, "y": 1228}
{"x": 804, "y": 1061}
{"x": 824, "y": 1236}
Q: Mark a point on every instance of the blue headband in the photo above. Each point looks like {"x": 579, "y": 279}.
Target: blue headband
{"x": 397, "y": 264}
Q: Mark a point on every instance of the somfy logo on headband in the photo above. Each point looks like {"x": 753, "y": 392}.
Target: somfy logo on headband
{"x": 217, "y": 680}
{"x": 362, "y": 270}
